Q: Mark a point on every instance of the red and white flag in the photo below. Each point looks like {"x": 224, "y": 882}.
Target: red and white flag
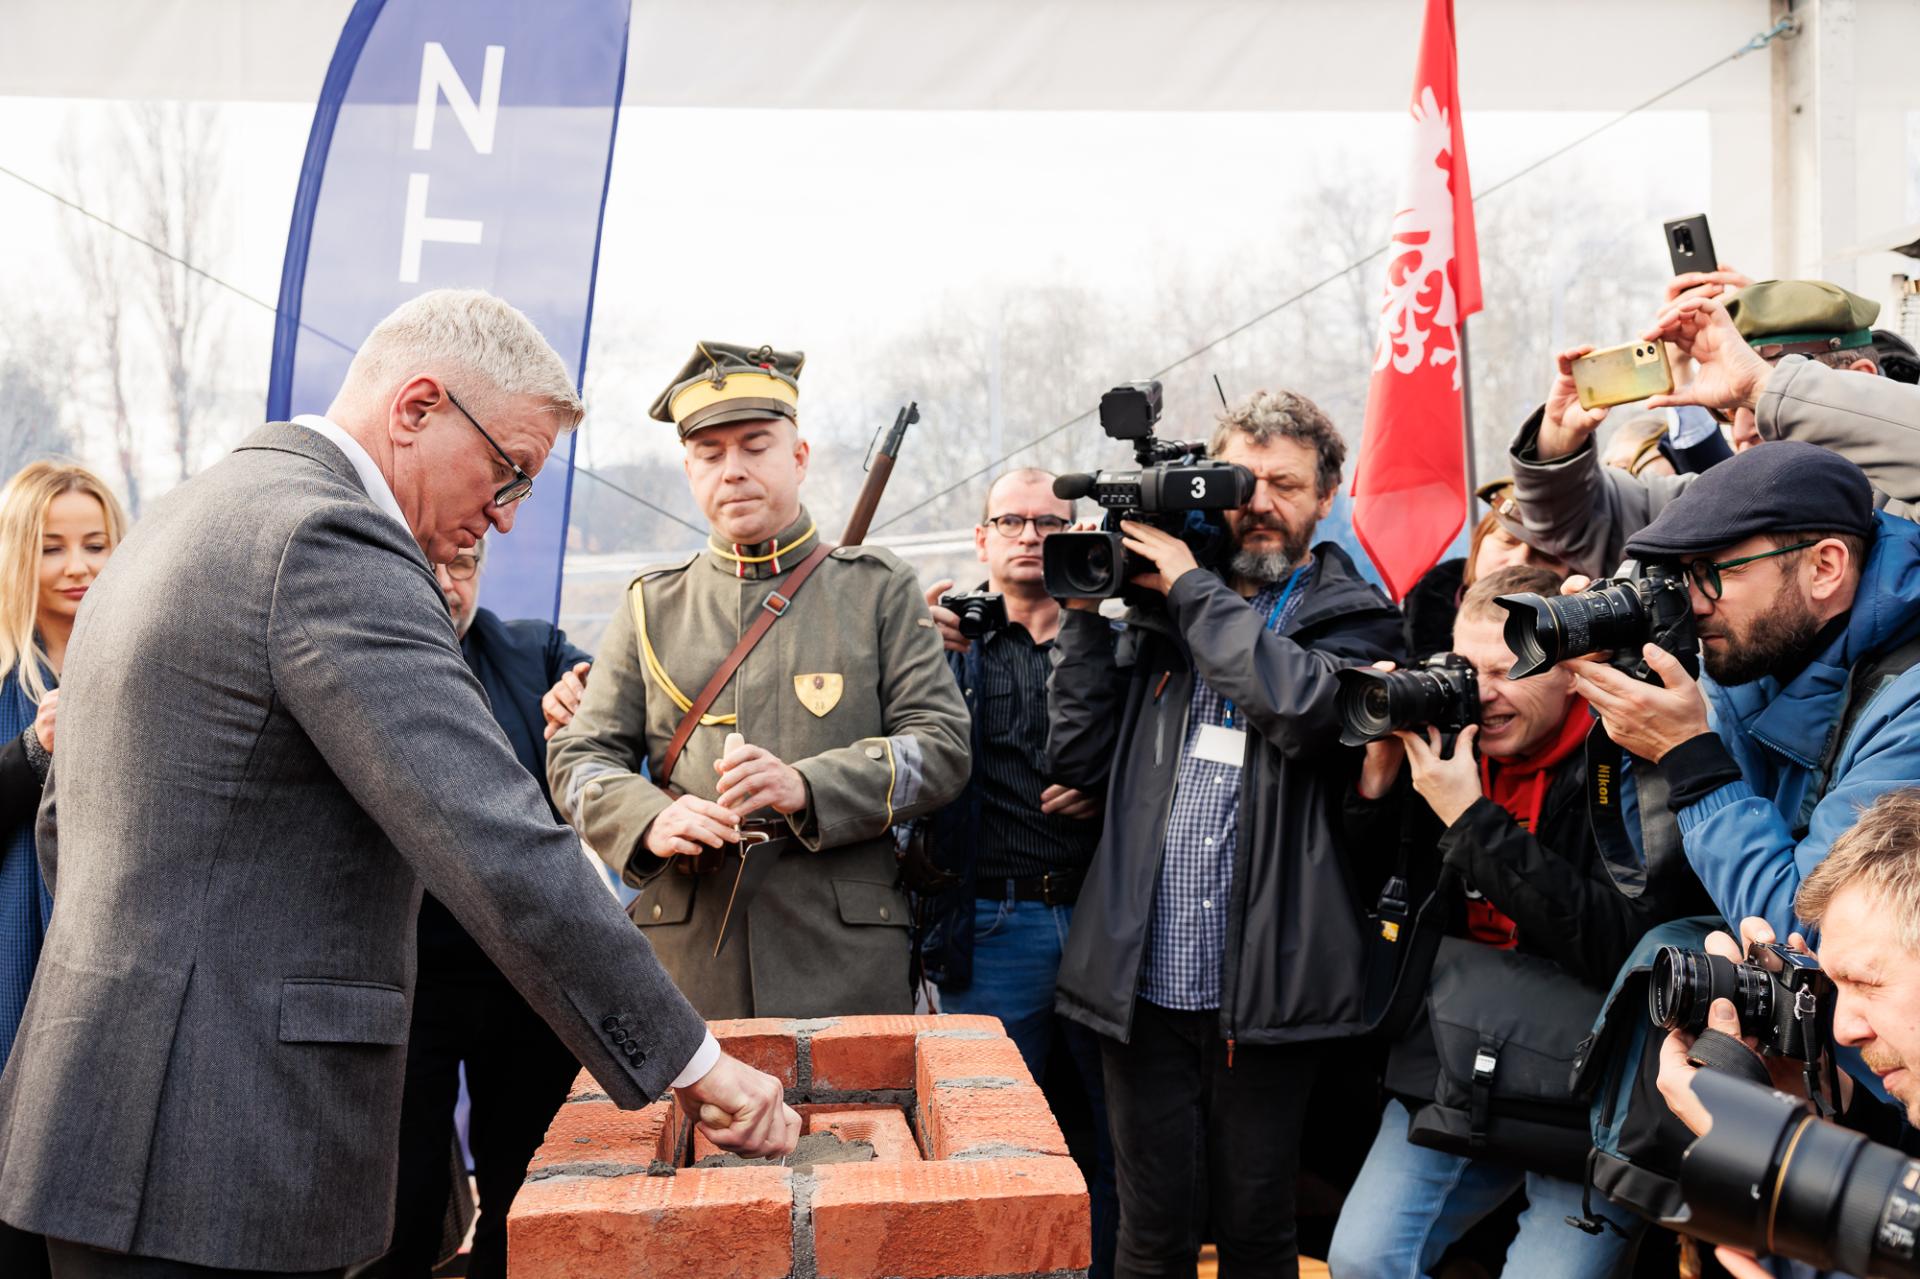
{"x": 1409, "y": 488}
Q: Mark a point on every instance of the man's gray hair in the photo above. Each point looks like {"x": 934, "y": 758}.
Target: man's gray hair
{"x": 1266, "y": 416}
{"x": 486, "y": 347}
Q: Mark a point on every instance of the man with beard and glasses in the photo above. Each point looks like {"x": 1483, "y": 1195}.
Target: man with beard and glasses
{"x": 1215, "y": 942}
{"x": 1807, "y": 602}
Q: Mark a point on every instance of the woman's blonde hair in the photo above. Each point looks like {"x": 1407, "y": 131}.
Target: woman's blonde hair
{"x": 23, "y": 523}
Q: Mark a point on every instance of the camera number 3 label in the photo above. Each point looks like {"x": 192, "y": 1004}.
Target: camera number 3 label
{"x": 1220, "y": 745}
{"x": 1199, "y": 486}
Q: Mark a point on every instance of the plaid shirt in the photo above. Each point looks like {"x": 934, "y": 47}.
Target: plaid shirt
{"x": 1187, "y": 934}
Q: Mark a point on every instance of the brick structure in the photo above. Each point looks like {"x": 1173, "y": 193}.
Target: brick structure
{"x": 968, "y": 1175}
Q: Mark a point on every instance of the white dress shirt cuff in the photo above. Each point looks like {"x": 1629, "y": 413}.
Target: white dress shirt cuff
{"x": 704, "y": 1058}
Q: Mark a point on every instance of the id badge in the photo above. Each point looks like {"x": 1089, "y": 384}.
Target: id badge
{"x": 1218, "y": 745}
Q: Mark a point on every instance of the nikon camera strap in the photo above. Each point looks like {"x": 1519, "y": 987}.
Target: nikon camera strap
{"x": 772, "y": 609}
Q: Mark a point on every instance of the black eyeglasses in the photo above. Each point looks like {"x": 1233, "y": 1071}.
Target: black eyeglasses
{"x": 1015, "y": 525}
{"x": 1706, "y": 573}
{"x": 521, "y": 485}
{"x": 462, "y": 568}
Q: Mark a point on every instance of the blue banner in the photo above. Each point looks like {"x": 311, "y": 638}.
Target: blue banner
{"x": 464, "y": 144}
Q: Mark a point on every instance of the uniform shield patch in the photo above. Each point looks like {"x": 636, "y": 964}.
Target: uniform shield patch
{"x": 818, "y": 693}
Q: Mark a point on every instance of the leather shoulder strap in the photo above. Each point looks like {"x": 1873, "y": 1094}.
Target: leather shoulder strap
{"x": 771, "y": 611}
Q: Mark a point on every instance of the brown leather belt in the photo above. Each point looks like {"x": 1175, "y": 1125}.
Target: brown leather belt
{"x": 754, "y": 830}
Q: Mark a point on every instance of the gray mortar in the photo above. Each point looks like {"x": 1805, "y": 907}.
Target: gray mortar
{"x": 804, "y": 1264}
{"x": 815, "y": 1149}
{"x": 994, "y": 1150}
{"x": 585, "y": 1170}
{"x": 957, "y": 1034}
{"x": 979, "y": 1081}
{"x": 587, "y": 1096}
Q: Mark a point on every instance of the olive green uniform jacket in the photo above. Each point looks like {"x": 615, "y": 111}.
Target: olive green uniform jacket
{"x": 849, "y": 687}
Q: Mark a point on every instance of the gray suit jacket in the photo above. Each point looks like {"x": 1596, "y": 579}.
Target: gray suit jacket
{"x": 268, "y": 741}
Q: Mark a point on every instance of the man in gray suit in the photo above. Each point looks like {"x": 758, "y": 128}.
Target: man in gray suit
{"x": 268, "y": 743}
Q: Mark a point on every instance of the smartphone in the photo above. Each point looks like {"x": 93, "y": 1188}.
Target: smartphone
{"x": 1690, "y": 245}
{"x": 1622, "y": 374}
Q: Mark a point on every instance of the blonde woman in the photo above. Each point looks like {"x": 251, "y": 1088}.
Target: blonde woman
{"x": 58, "y": 524}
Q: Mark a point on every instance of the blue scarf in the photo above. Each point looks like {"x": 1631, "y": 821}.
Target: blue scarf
{"x": 25, "y": 904}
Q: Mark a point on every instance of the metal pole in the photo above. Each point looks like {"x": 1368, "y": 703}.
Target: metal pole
{"x": 1466, "y": 413}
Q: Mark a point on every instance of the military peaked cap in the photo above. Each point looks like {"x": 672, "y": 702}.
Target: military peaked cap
{"x": 724, "y": 383}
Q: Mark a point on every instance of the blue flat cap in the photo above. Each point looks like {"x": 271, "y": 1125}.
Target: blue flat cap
{"x": 1780, "y": 487}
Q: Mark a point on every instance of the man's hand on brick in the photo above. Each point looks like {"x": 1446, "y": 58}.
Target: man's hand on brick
{"x": 742, "y": 1110}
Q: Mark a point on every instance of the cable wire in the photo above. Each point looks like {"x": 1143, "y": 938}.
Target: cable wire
{"x": 1784, "y": 27}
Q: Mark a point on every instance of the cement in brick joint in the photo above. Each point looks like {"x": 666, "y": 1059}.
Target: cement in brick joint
{"x": 805, "y": 1266}
{"x": 586, "y": 1170}
{"x": 994, "y": 1150}
{"x": 978, "y": 1081}
{"x": 587, "y": 1096}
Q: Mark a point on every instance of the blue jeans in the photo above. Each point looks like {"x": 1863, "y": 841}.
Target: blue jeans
{"x": 1410, "y": 1203}
{"x": 1016, "y": 961}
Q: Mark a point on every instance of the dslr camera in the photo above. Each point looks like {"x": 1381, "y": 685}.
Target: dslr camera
{"x": 1771, "y": 1178}
{"x": 1172, "y": 487}
{"x": 1442, "y": 691}
{"x": 1783, "y": 998}
{"x": 1646, "y": 604}
{"x": 981, "y": 613}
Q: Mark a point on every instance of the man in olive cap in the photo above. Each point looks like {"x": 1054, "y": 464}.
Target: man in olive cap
{"x": 1772, "y": 362}
{"x": 842, "y": 721}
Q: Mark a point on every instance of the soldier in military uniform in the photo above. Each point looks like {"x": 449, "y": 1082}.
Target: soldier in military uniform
{"x": 850, "y": 719}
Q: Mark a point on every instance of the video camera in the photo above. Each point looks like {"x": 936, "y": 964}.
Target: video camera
{"x": 1771, "y": 1178}
{"x": 1647, "y": 604}
{"x": 1782, "y": 997}
{"x": 1443, "y": 691}
{"x": 1172, "y": 484}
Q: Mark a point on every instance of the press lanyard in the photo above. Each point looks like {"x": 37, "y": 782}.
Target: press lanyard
{"x": 1273, "y": 615}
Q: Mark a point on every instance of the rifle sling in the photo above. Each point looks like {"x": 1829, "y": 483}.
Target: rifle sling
{"x": 772, "y": 609}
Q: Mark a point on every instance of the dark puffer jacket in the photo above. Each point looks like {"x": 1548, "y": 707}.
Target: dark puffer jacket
{"x": 1293, "y": 967}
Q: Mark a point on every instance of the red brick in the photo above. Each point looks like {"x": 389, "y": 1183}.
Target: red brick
{"x": 885, "y": 1129}
{"x": 763, "y": 1043}
{"x": 601, "y": 1132}
{"x": 857, "y": 1054}
{"x": 937, "y": 1060}
{"x": 920, "y": 1221}
{"x": 679, "y": 1227}
{"x": 1002, "y": 1120}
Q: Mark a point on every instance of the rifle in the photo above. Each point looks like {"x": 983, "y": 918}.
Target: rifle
{"x": 879, "y": 470}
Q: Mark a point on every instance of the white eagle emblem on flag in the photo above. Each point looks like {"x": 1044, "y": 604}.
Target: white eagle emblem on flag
{"x": 1418, "y": 312}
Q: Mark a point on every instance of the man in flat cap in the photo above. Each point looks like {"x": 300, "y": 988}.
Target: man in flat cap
{"x": 1807, "y": 604}
{"x": 841, "y": 721}
{"x": 1778, "y": 361}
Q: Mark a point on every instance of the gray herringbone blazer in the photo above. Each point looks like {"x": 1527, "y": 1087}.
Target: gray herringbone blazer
{"x": 268, "y": 742}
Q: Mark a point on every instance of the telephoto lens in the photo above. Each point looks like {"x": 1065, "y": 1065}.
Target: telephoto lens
{"x": 1770, "y": 1178}
{"x": 1617, "y": 615}
{"x": 1442, "y": 691}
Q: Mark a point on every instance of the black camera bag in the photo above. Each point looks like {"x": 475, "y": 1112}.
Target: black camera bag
{"x": 1505, "y": 1028}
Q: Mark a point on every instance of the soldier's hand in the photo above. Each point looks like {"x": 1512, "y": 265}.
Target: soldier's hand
{"x": 946, "y": 619}
{"x": 752, "y": 778}
{"x": 563, "y": 699}
{"x": 742, "y": 1110}
{"x": 1064, "y": 801}
{"x": 688, "y": 823}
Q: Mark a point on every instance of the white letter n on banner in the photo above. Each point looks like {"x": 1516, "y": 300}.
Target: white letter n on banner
{"x": 437, "y": 77}
{"x": 421, "y": 228}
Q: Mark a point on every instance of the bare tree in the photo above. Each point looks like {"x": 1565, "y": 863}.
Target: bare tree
{"x": 100, "y": 260}
{"x": 173, "y": 151}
